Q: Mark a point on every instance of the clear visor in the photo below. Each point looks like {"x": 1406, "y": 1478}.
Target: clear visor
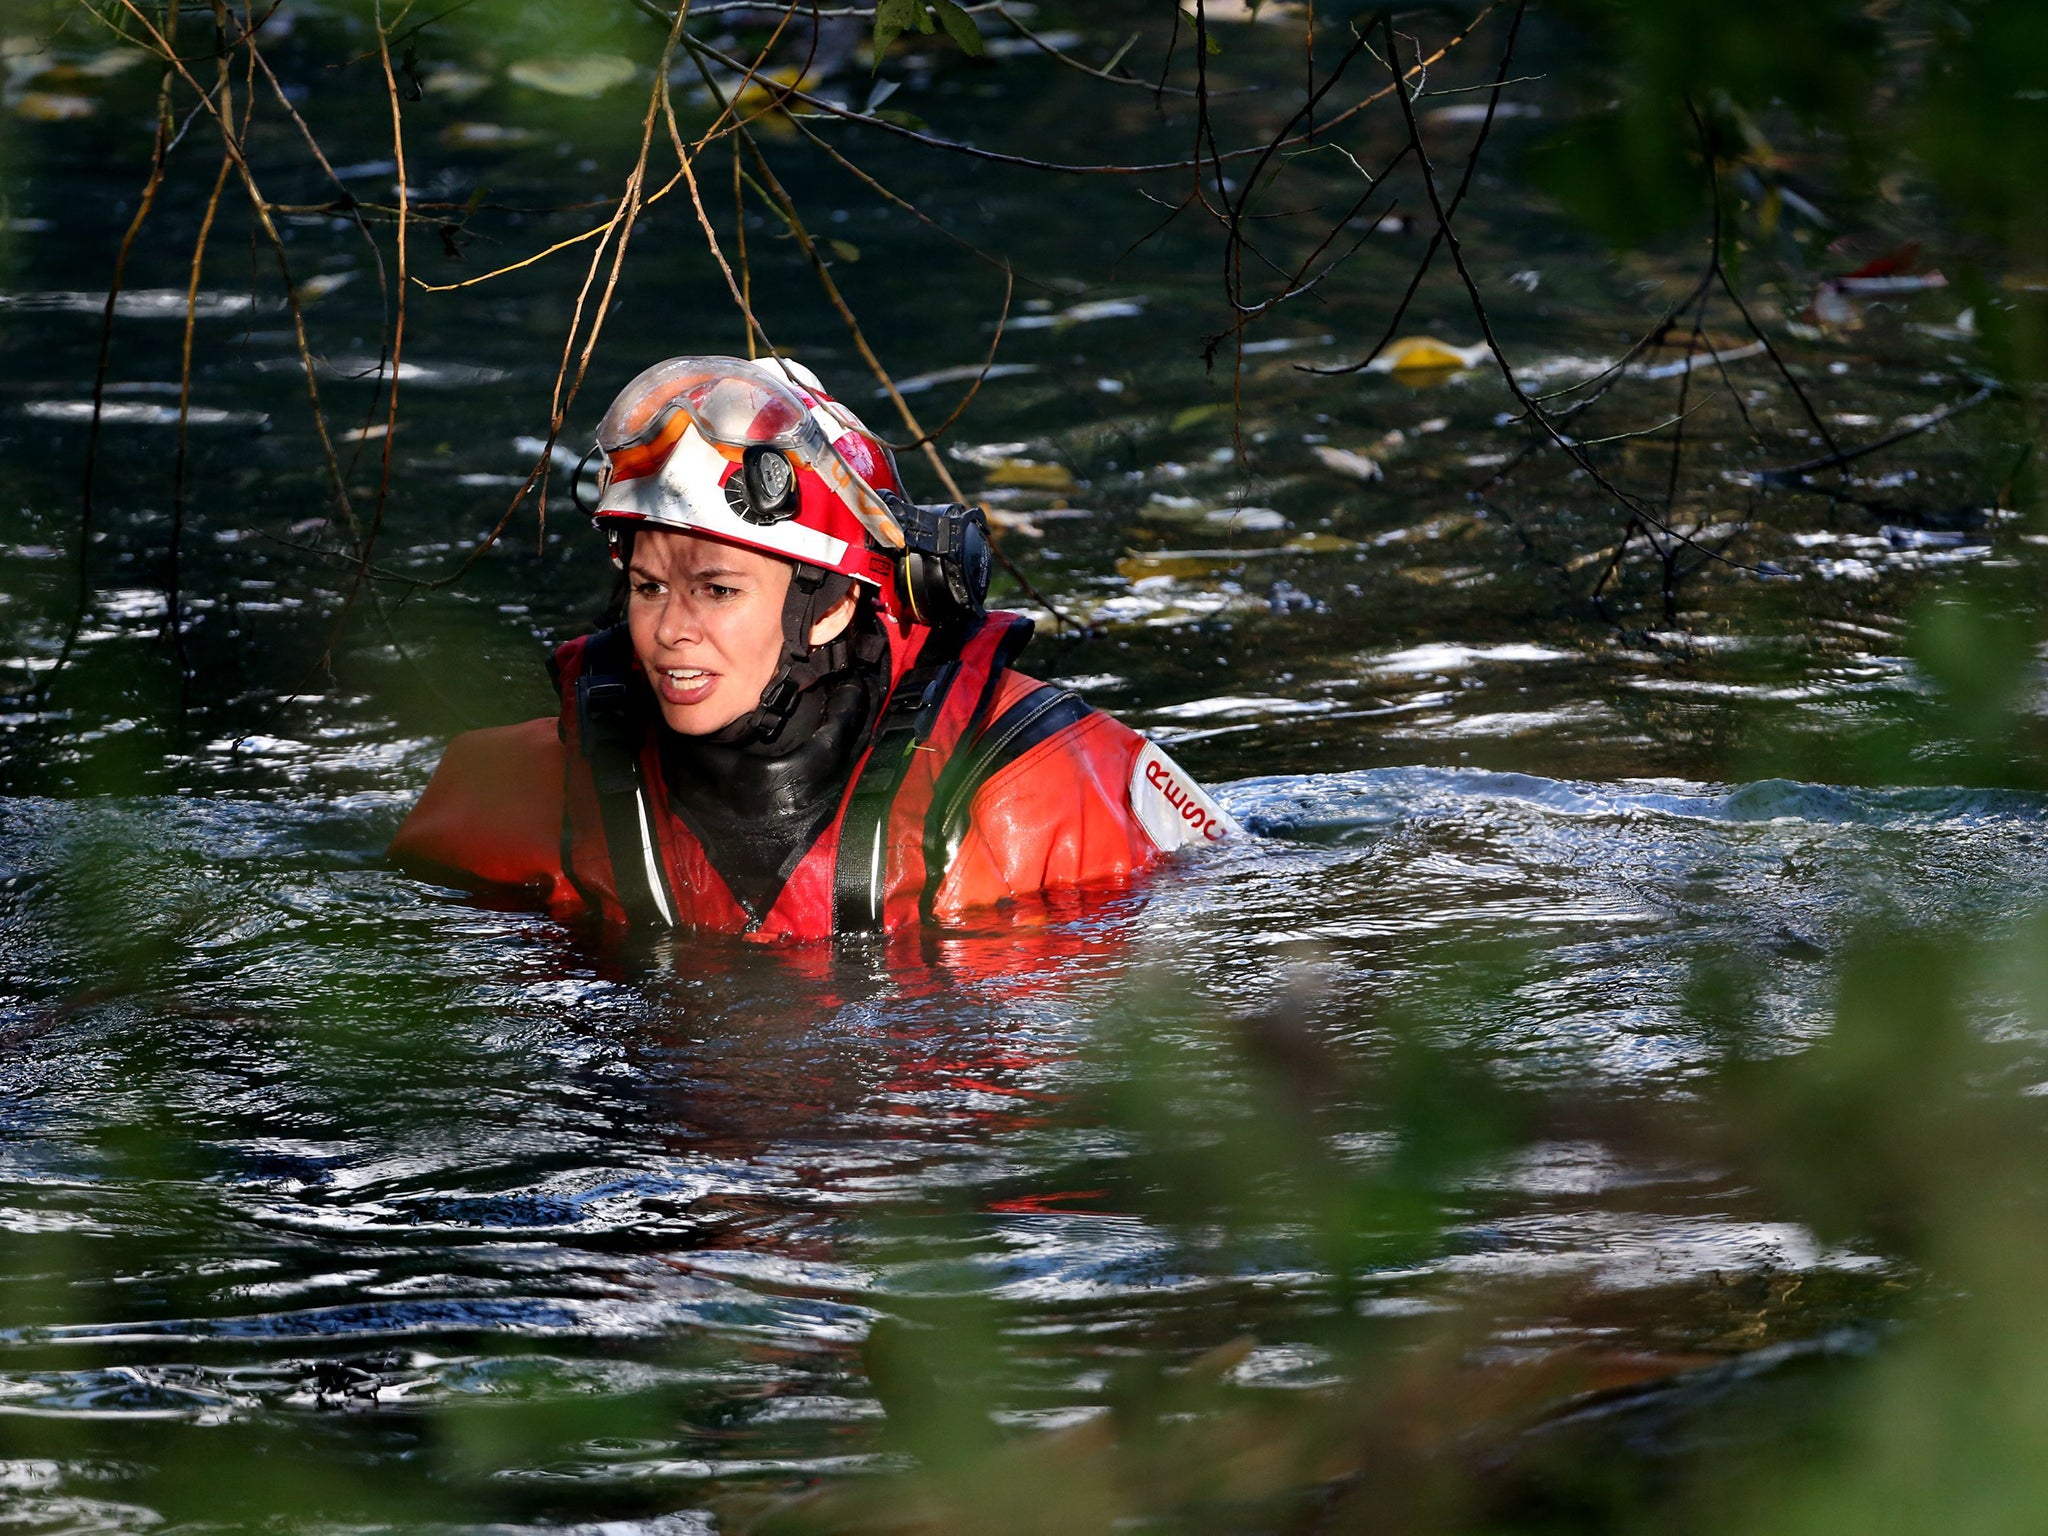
{"x": 731, "y": 401}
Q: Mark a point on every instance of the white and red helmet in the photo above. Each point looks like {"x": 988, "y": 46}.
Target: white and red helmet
{"x": 756, "y": 454}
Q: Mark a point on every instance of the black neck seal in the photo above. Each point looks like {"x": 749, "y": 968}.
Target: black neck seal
{"x": 757, "y": 802}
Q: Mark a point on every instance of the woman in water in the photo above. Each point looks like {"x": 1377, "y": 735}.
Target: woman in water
{"x": 807, "y": 723}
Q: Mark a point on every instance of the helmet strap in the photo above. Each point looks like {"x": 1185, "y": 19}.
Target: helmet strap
{"x": 813, "y": 593}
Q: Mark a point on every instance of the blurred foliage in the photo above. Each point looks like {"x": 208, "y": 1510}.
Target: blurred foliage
{"x": 1907, "y": 1125}
{"x": 1938, "y": 109}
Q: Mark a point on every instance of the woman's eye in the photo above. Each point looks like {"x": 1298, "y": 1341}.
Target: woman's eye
{"x": 721, "y": 594}
{"x": 647, "y": 589}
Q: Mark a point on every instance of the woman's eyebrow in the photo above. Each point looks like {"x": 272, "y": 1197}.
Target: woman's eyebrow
{"x": 708, "y": 573}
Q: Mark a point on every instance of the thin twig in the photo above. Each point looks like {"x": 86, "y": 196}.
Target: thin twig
{"x": 367, "y": 548}
{"x": 1457, "y": 199}
{"x": 976, "y": 152}
{"x": 622, "y": 221}
{"x": 173, "y": 622}
{"x": 1046, "y": 47}
{"x": 1534, "y": 412}
{"x": 1789, "y": 474}
{"x": 158, "y": 154}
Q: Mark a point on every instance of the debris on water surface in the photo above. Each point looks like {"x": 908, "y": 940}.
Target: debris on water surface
{"x": 1193, "y": 509}
{"x": 1031, "y": 475}
{"x": 137, "y": 413}
{"x": 966, "y": 371}
{"x": 1425, "y": 355}
{"x": 322, "y": 284}
{"x": 53, "y": 106}
{"x": 1247, "y": 519}
{"x": 485, "y": 136}
{"x": 1209, "y": 562}
{"x": 1357, "y": 465}
{"x": 1837, "y": 301}
{"x": 1013, "y": 522}
{"x": 1081, "y": 314}
{"x": 1708, "y": 357}
{"x": 584, "y": 75}
{"x": 455, "y": 83}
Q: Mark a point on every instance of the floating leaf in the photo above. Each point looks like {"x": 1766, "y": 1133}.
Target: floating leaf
{"x": 772, "y": 88}
{"x": 1217, "y": 562}
{"x": 485, "y": 136}
{"x": 322, "y": 284}
{"x": 845, "y": 250}
{"x": 1031, "y": 475}
{"x": 115, "y": 61}
{"x": 1427, "y": 355}
{"x": 965, "y": 371}
{"x": 1195, "y": 415}
{"x": 1013, "y": 522}
{"x": 455, "y": 83}
{"x": 53, "y": 107}
{"x": 1357, "y": 465}
{"x": 577, "y": 74}
{"x": 1248, "y": 519}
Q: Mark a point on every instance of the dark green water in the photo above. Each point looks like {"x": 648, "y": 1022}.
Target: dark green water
{"x": 335, "y": 1195}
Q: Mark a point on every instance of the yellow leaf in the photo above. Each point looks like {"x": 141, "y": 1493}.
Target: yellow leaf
{"x": 1032, "y": 476}
{"x": 53, "y": 107}
{"x": 1425, "y": 354}
{"x": 1194, "y": 415}
{"x": 771, "y": 88}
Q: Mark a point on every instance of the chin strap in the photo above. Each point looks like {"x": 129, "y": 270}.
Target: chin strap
{"x": 813, "y": 593}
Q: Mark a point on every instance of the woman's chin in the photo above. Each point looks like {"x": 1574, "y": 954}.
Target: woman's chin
{"x": 699, "y": 719}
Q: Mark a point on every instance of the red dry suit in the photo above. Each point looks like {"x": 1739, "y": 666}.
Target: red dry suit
{"x": 976, "y": 784}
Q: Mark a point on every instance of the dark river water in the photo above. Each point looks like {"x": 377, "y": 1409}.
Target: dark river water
{"x": 339, "y": 1200}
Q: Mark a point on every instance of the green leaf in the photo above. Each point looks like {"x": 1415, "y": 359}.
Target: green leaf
{"x": 959, "y": 26}
{"x": 845, "y": 250}
{"x": 892, "y": 17}
{"x": 902, "y": 119}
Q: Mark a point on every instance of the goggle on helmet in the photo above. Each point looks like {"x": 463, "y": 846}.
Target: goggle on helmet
{"x": 755, "y": 454}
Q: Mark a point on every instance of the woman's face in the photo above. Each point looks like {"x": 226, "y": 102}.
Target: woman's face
{"x": 706, "y": 620}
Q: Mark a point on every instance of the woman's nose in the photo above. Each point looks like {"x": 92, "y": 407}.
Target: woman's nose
{"x": 678, "y": 622}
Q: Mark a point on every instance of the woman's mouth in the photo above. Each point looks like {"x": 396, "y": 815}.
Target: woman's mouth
{"x": 684, "y": 685}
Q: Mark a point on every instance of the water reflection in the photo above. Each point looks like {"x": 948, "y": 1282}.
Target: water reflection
{"x": 435, "y": 1152}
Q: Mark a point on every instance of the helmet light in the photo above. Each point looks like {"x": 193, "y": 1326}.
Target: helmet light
{"x": 771, "y": 485}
